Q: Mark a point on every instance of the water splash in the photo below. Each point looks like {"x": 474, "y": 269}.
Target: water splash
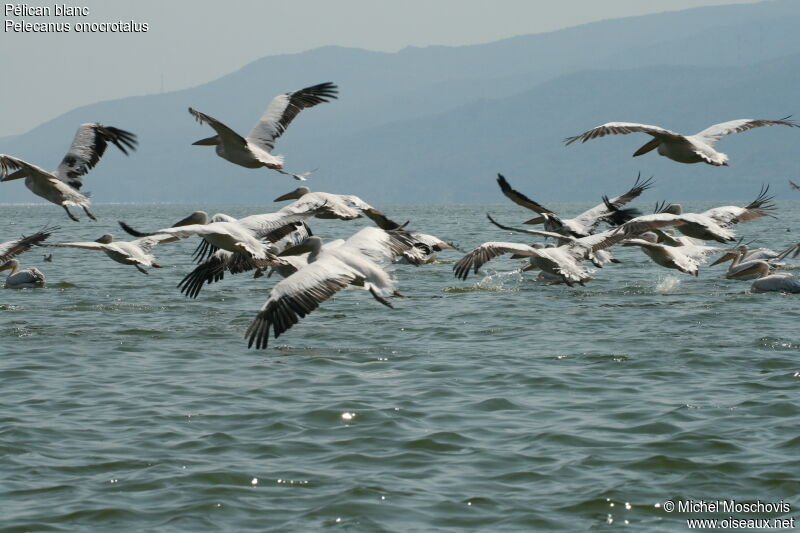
{"x": 668, "y": 284}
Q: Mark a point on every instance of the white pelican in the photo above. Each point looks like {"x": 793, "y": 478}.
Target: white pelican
{"x": 681, "y": 148}
{"x": 213, "y": 268}
{"x": 328, "y": 205}
{"x": 695, "y": 225}
{"x": 779, "y": 282}
{"x": 254, "y": 150}
{"x": 62, "y": 185}
{"x": 686, "y": 258}
{"x": 794, "y": 186}
{"x": 610, "y": 211}
{"x": 746, "y": 270}
{"x": 563, "y": 261}
{"x": 745, "y": 255}
{"x": 28, "y": 278}
{"x": 328, "y": 270}
{"x": 247, "y": 236}
{"x": 134, "y": 252}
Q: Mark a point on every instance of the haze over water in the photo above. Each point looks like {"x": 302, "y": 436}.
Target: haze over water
{"x": 498, "y": 403}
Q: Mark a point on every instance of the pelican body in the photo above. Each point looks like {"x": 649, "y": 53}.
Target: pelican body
{"x": 27, "y": 278}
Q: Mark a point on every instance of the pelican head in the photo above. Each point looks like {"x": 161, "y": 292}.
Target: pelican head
{"x": 105, "y": 239}
{"x": 311, "y": 244}
{"x": 294, "y": 195}
{"x": 13, "y": 264}
{"x": 198, "y": 217}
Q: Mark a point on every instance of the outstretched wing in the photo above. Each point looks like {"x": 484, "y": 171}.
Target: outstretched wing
{"x": 13, "y": 248}
{"x": 22, "y": 169}
{"x": 378, "y": 244}
{"x": 227, "y": 135}
{"x": 88, "y": 146}
{"x": 486, "y": 252}
{"x": 282, "y": 110}
{"x": 519, "y": 198}
{"x": 294, "y": 297}
{"x": 611, "y": 211}
{"x": 147, "y": 243}
{"x": 623, "y": 128}
{"x": 714, "y": 133}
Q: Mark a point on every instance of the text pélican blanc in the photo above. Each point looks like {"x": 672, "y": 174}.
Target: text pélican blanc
{"x": 63, "y": 10}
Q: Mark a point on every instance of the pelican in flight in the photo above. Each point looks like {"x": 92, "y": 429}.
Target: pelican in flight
{"x": 695, "y": 148}
{"x": 247, "y": 236}
{"x": 134, "y": 253}
{"x": 562, "y": 261}
{"x": 329, "y": 269}
{"x": 328, "y": 205}
{"x": 254, "y": 150}
{"x": 685, "y": 258}
{"x": 62, "y": 186}
{"x": 10, "y": 249}
{"x": 794, "y": 186}
{"x": 212, "y": 269}
{"x": 610, "y": 211}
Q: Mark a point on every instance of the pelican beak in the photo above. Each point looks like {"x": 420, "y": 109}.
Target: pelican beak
{"x": 210, "y": 141}
{"x": 14, "y": 176}
{"x": 726, "y": 257}
{"x": 5, "y": 266}
{"x": 298, "y": 249}
{"x": 294, "y": 195}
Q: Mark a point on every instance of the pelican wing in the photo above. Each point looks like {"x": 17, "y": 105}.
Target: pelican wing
{"x": 88, "y": 146}
{"x": 378, "y": 244}
{"x": 611, "y": 210}
{"x": 227, "y": 135}
{"x": 265, "y": 224}
{"x": 714, "y": 133}
{"x": 370, "y": 212}
{"x": 213, "y": 270}
{"x": 283, "y": 109}
{"x": 294, "y": 297}
{"x": 90, "y": 245}
{"x": 760, "y": 207}
{"x": 623, "y": 128}
{"x": 650, "y": 222}
{"x": 23, "y": 168}
{"x": 488, "y": 251}
{"x": 540, "y": 233}
{"x": 519, "y": 198}
{"x": 13, "y": 248}
{"x": 325, "y": 204}
{"x": 147, "y": 243}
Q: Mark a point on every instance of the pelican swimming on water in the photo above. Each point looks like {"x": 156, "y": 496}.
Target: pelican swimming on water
{"x": 62, "y": 186}
{"x": 254, "y": 150}
{"x": 610, "y": 211}
{"x": 329, "y": 269}
{"x": 27, "y": 278}
{"x": 134, "y": 252}
{"x": 697, "y": 148}
{"x": 778, "y": 282}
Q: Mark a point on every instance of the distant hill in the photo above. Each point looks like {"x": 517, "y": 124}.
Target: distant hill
{"x": 437, "y": 123}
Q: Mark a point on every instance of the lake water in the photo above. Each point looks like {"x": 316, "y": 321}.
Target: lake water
{"x": 495, "y": 404}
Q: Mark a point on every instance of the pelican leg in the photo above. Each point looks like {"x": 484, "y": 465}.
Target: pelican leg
{"x": 89, "y": 214}
{"x": 70, "y": 215}
{"x": 156, "y": 265}
{"x": 140, "y": 269}
{"x": 399, "y": 294}
{"x": 258, "y": 273}
{"x": 381, "y": 300}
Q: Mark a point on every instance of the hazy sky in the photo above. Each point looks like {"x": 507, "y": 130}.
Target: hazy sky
{"x": 194, "y": 41}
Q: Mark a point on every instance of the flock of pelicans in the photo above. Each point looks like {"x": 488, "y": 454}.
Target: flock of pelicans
{"x": 313, "y": 270}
